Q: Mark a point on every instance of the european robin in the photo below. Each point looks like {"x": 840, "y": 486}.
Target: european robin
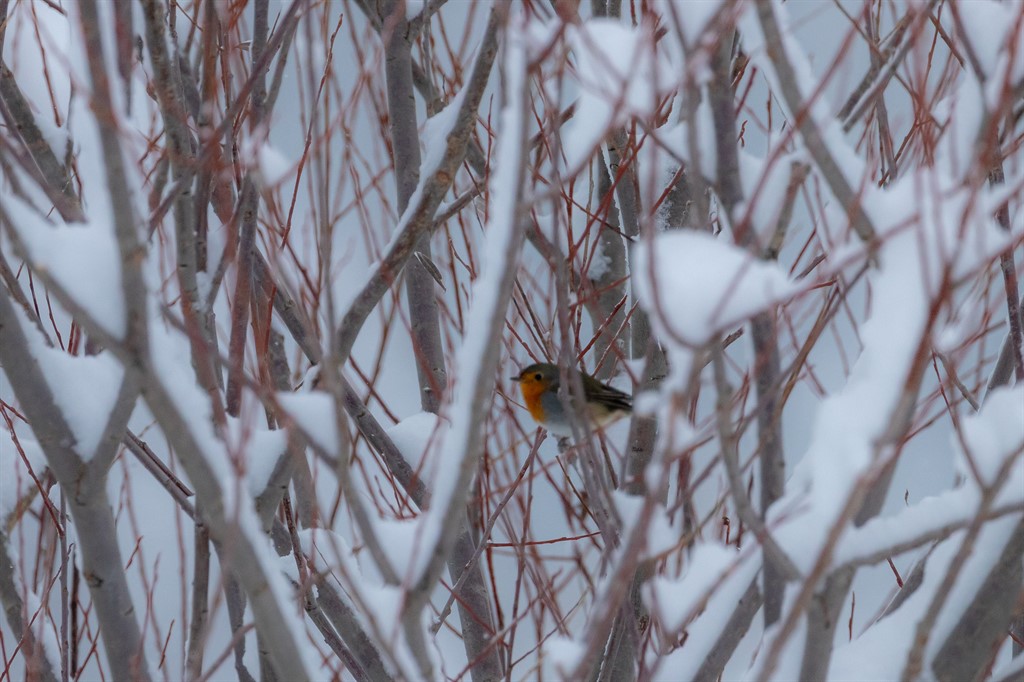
{"x": 539, "y": 384}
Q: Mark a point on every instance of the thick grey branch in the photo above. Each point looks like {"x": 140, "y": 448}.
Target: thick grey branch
{"x": 37, "y": 664}
{"x": 90, "y": 509}
{"x": 419, "y": 217}
{"x": 800, "y": 108}
{"x": 57, "y": 181}
{"x": 419, "y": 285}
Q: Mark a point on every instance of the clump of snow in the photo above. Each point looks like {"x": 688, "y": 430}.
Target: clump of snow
{"x": 617, "y": 72}
{"x": 315, "y": 415}
{"x": 538, "y": 36}
{"x": 170, "y": 353}
{"x": 931, "y": 231}
{"x": 765, "y": 183}
{"x": 1011, "y": 670}
{"x": 678, "y": 600}
{"x": 599, "y": 261}
{"x": 263, "y": 448}
{"x": 377, "y": 606}
{"x": 694, "y": 285}
{"x": 34, "y": 609}
{"x": 84, "y": 389}
{"x": 273, "y": 166}
{"x": 404, "y": 545}
{"x": 694, "y": 17}
{"x": 677, "y": 138}
{"x": 436, "y": 130}
{"x": 709, "y": 591}
{"x": 991, "y": 27}
{"x": 931, "y": 513}
{"x": 881, "y": 651}
{"x": 562, "y": 653}
{"x": 17, "y": 481}
{"x": 993, "y": 435}
{"x": 412, "y": 435}
{"x": 257, "y": 154}
{"x": 646, "y": 403}
{"x": 83, "y": 259}
{"x": 57, "y": 41}
{"x": 413, "y": 8}
{"x": 820, "y": 110}
{"x": 660, "y": 534}
{"x": 960, "y": 330}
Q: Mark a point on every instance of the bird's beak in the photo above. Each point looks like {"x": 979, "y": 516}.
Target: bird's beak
{"x": 516, "y": 379}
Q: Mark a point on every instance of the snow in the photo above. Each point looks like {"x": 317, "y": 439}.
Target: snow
{"x": 248, "y": 523}
{"x": 16, "y": 481}
{"x": 402, "y": 542}
{"x": 172, "y": 365}
{"x": 931, "y": 513}
{"x": 696, "y": 286}
{"x": 765, "y": 182}
{"x": 43, "y": 634}
{"x": 705, "y": 614}
{"x": 274, "y": 167}
{"x": 562, "y": 653}
{"x": 732, "y": 285}
{"x": 646, "y": 403}
{"x": 170, "y": 355}
{"x": 677, "y": 601}
{"x": 436, "y": 130}
{"x": 820, "y": 111}
{"x": 677, "y": 140}
{"x": 538, "y": 36}
{"x": 881, "y": 651}
{"x": 599, "y": 262}
{"x": 661, "y": 536}
{"x": 993, "y": 435}
{"x": 84, "y": 389}
{"x": 413, "y": 8}
{"x": 263, "y": 449}
{"x": 911, "y": 263}
{"x": 988, "y": 27}
{"x": 256, "y": 153}
{"x": 377, "y": 606}
{"x": 617, "y": 74}
{"x": 83, "y": 259}
{"x": 25, "y": 58}
{"x": 315, "y": 415}
{"x": 1014, "y": 670}
{"x": 413, "y": 437}
{"x": 952, "y": 336}
{"x": 695, "y": 16}
{"x": 488, "y": 305}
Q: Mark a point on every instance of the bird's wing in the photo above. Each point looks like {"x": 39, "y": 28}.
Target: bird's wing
{"x": 612, "y": 397}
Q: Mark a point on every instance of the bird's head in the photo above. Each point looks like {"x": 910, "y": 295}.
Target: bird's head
{"x": 536, "y": 379}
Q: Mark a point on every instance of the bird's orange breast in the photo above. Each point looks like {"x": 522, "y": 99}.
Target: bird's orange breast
{"x": 532, "y": 390}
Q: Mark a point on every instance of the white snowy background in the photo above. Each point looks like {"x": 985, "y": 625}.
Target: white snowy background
{"x": 930, "y": 283}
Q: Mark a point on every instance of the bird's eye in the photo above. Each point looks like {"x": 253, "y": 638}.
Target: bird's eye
{"x": 538, "y": 376}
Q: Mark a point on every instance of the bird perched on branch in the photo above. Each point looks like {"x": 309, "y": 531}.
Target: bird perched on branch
{"x": 539, "y": 384}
